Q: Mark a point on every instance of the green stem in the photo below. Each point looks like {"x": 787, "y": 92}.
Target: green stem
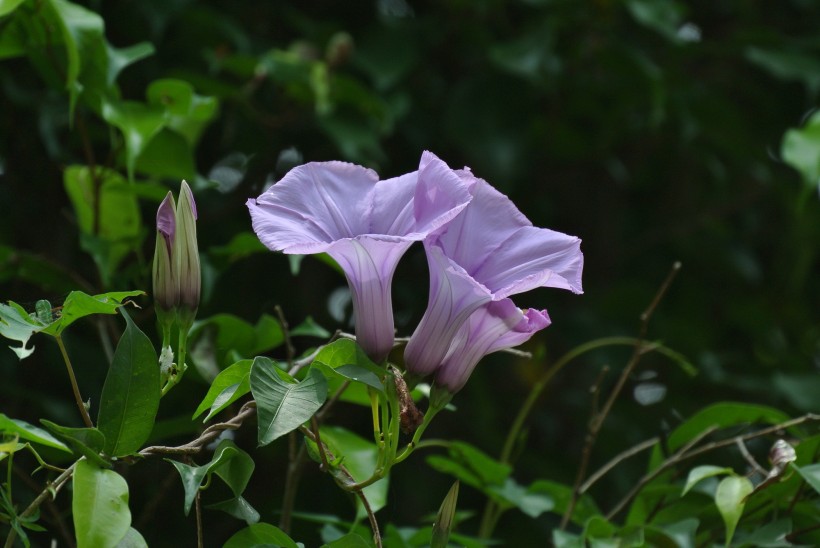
{"x": 8, "y": 476}
{"x": 181, "y": 367}
{"x": 491, "y": 514}
{"x": 415, "y": 443}
{"x": 395, "y": 424}
{"x": 547, "y": 376}
{"x": 50, "y": 490}
{"x": 76, "y": 389}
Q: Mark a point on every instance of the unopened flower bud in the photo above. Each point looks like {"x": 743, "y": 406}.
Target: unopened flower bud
{"x": 166, "y": 293}
{"x": 186, "y": 257}
{"x": 781, "y": 454}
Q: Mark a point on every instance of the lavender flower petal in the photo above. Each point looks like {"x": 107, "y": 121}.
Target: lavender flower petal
{"x": 365, "y": 224}
{"x": 495, "y": 326}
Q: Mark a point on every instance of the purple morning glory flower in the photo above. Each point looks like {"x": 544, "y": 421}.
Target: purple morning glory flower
{"x": 365, "y": 224}
{"x": 487, "y": 253}
{"x": 494, "y": 326}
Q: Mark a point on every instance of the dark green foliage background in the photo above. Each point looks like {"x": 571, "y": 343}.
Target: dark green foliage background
{"x": 597, "y": 119}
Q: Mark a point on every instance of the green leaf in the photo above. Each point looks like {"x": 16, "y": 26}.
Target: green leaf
{"x": 82, "y": 32}
{"x": 8, "y": 6}
{"x": 237, "y": 507}
{"x": 107, "y": 213}
{"x": 309, "y": 328}
{"x": 87, "y": 442}
{"x": 230, "y": 385}
{"x": 730, "y": 499}
{"x": 131, "y": 393}
{"x": 213, "y": 340}
{"x": 17, "y": 325}
{"x": 283, "y": 407}
{"x": 472, "y": 466}
{"x": 561, "y": 494}
{"x": 350, "y": 540}
{"x": 360, "y": 457}
{"x": 186, "y": 112}
{"x": 345, "y": 352}
{"x": 132, "y": 539}
{"x": 19, "y": 264}
{"x": 100, "y": 506}
{"x": 237, "y": 471}
{"x": 722, "y": 415}
{"x": 563, "y": 539}
{"x": 138, "y": 122}
{"x": 194, "y": 476}
{"x": 598, "y": 527}
{"x": 680, "y": 534}
{"x": 260, "y": 534}
{"x": 701, "y": 473}
{"x": 353, "y": 373}
{"x": 801, "y": 150}
{"x": 532, "y": 503}
{"x": 79, "y": 305}
{"x": 269, "y": 334}
{"x": 239, "y": 247}
{"x": 811, "y": 474}
{"x": 771, "y": 535}
{"x": 788, "y": 64}
{"x": 30, "y": 432}
{"x": 167, "y": 156}
{"x": 119, "y": 58}
{"x": 662, "y": 16}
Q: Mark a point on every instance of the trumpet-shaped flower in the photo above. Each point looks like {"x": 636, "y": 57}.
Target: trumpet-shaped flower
{"x": 494, "y": 326}
{"x": 487, "y": 253}
{"x": 365, "y": 224}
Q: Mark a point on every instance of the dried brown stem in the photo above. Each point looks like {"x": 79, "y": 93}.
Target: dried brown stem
{"x": 207, "y": 436}
{"x": 325, "y": 451}
{"x": 597, "y": 421}
{"x": 689, "y": 451}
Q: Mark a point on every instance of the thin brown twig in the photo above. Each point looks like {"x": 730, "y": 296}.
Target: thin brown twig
{"x": 668, "y": 463}
{"x": 297, "y": 461}
{"x": 615, "y": 461}
{"x": 198, "y": 510}
{"x": 597, "y": 421}
{"x": 149, "y": 510}
{"x": 322, "y": 455}
{"x": 792, "y": 537}
{"x": 74, "y": 387}
{"x": 57, "y": 518}
{"x": 688, "y": 452}
{"x": 374, "y": 525}
{"x": 749, "y": 458}
{"x": 596, "y": 389}
{"x": 291, "y": 351}
{"x": 52, "y": 488}
{"x": 292, "y": 478}
{"x": 307, "y": 360}
{"x": 207, "y": 435}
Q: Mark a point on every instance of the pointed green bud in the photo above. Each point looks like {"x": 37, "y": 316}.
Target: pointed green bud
{"x": 445, "y": 519}
{"x": 166, "y": 292}
{"x": 186, "y": 257}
